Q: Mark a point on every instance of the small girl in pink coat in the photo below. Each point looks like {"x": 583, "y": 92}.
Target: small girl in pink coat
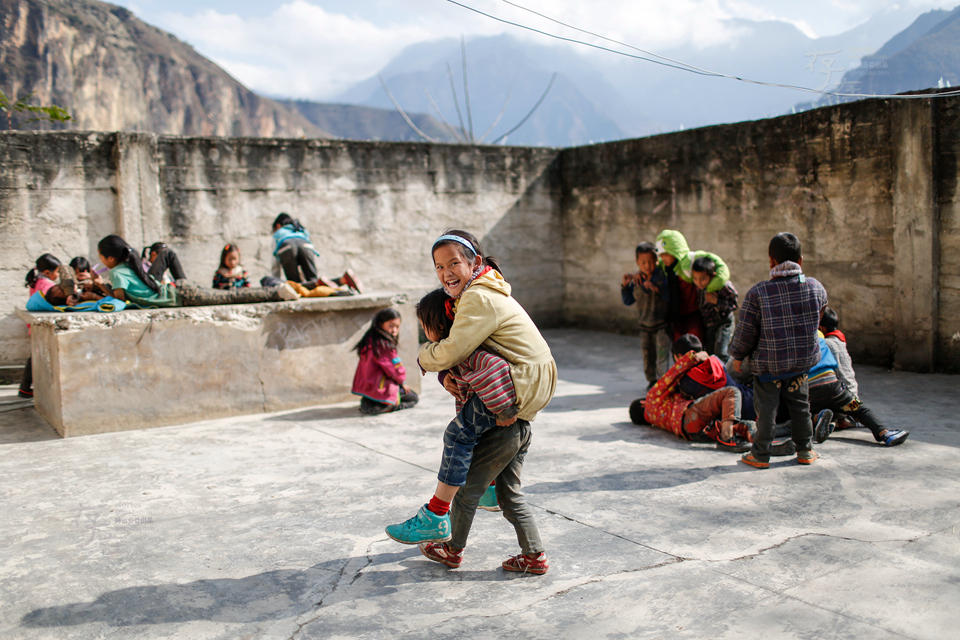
{"x": 380, "y": 374}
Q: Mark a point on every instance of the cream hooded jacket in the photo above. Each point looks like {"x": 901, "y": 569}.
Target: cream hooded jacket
{"x": 487, "y": 315}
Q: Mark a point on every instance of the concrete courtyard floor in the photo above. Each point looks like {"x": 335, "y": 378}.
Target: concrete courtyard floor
{"x": 271, "y": 526}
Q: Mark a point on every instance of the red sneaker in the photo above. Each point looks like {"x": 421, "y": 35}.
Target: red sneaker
{"x": 442, "y": 552}
{"x": 527, "y": 564}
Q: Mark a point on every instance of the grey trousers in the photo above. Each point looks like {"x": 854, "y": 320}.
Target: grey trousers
{"x": 498, "y": 457}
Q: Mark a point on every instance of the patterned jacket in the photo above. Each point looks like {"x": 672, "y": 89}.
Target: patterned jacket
{"x": 720, "y": 312}
{"x": 665, "y": 402}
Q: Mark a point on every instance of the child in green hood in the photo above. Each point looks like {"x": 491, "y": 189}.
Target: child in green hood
{"x": 677, "y": 259}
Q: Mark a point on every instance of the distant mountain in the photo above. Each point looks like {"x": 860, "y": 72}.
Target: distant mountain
{"x": 505, "y": 78}
{"x": 368, "y": 123}
{"x": 919, "y": 57}
{"x": 112, "y": 71}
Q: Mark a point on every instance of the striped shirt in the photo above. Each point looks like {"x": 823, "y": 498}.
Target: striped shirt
{"x": 487, "y": 375}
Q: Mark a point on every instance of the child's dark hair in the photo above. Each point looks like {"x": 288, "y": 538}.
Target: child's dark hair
{"x": 80, "y": 263}
{"x": 227, "y": 250}
{"x": 830, "y": 320}
{"x": 468, "y": 252}
{"x": 646, "y": 247}
{"x": 46, "y": 262}
{"x": 686, "y": 342}
{"x": 376, "y": 338}
{"x": 285, "y": 219}
{"x": 785, "y": 247}
{"x": 706, "y": 265}
{"x": 113, "y": 246}
{"x": 432, "y": 313}
{"x": 156, "y": 247}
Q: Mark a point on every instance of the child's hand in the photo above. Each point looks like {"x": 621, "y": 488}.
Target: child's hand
{"x": 506, "y": 422}
{"x": 451, "y": 387}
{"x": 710, "y": 298}
{"x": 628, "y": 279}
{"x": 701, "y": 356}
{"x": 649, "y": 286}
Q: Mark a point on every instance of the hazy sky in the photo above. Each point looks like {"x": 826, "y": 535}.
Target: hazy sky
{"x": 317, "y": 48}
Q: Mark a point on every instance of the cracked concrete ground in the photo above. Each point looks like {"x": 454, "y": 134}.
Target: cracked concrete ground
{"x": 271, "y": 526}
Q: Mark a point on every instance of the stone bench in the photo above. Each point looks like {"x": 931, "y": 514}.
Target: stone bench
{"x": 101, "y": 372}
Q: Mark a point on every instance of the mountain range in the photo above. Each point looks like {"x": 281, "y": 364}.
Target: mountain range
{"x": 115, "y": 72}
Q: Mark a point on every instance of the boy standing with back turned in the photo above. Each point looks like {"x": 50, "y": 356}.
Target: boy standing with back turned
{"x": 778, "y": 330}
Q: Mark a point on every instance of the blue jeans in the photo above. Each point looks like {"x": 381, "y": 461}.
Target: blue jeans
{"x": 460, "y": 439}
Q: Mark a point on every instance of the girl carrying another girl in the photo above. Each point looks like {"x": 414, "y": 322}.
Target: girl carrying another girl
{"x": 485, "y": 314}
{"x": 380, "y": 374}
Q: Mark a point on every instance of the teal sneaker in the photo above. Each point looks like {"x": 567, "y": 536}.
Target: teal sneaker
{"x": 426, "y": 526}
{"x": 488, "y": 501}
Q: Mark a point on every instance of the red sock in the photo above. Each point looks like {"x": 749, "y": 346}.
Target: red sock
{"x": 438, "y": 506}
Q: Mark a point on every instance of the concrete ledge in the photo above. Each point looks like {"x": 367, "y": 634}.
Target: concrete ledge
{"x": 95, "y": 373}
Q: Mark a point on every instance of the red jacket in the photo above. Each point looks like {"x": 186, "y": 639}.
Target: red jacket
{"x": 665, "y": 403}
{"x": 379, "y": 378}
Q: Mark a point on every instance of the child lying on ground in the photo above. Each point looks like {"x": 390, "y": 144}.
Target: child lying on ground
{"x": 670, "y": 409}
{"x": 482, "y": 374}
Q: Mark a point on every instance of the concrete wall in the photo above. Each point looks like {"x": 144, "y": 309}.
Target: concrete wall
{"x": 870, "y": 188}
{"x": 374, "y": 207}
{"x": 860, "y": 184}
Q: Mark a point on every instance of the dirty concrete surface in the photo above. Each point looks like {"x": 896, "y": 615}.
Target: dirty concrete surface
{"x": 271, "y": 526}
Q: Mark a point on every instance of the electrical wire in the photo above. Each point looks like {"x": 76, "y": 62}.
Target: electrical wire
{"x": 683, "y": 66}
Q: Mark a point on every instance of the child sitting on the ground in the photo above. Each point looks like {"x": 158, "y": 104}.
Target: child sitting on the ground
{"x": 380, "y": 373}
{"x": 777, "y": 329}
{"x": 670, "y": 409}
{"x": 230, "y": 274}
{"x": 828, "y": 391}
{"x": 837, "y": 342}
{"x": 89, "y": 283}
{"x": 41, "y": 278}
{"x": 716, "y": 308}
{"x": 649, "y": 290}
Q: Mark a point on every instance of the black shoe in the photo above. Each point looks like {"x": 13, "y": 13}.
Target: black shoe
{"x": 636, "y": 412}
{"x": 25, "y": 393}
{"x": 824, "y": 426}
{"x": 734, "y": 446}
{"x": 784, "y": 447}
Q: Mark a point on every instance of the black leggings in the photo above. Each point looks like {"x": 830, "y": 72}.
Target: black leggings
{"x": 839, "y": 399}
{"x": 408, "y": 398}
{"x": 296, "y": 256}
{"x": 167, "y": 259}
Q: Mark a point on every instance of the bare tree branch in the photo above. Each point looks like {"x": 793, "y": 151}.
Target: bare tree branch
{"x": 530, "y": 113}
{"x": 403, "y": 113}
{"x": 466, "y": 88}
{"x": 456, "y": 135}
{"x": 456, "y": 101}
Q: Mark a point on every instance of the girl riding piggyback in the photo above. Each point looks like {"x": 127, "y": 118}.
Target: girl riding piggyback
{"x": 484, "y": 314}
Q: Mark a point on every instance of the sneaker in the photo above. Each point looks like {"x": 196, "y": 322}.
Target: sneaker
{"x": 823, "y": 426}
{"x": 748, "y": 459}
{"x": 807, "y": 457}
{"x": 286, "y": 292}
{"x": 27, "y": 393}
{"x": 443, "y": 553}
{"x": 893, "y": 437}
{"x": 426, "y": 526}
{"x": 785, "y": 447}
{"x": 349, "y": 278}
{"x": 488, "y": 501}
{"x": 527, "y": 564}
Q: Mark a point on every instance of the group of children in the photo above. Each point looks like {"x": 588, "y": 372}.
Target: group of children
{"x": 784, "y": 360}
{"x": 156, "y": 278}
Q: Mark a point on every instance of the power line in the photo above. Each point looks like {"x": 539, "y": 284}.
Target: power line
{"x": 683, "y": 66}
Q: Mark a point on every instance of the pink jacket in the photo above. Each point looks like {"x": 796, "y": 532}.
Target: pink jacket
{"x": 380, "y": 378}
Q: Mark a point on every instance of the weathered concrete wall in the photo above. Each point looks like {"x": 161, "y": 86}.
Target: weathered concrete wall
{"x": 946, "y": 118}
{"x": 374, "y": 207}
{"x": 855, "y": 182}
{"x": 97, "y": 373}
{"x": 870, "y": 188}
